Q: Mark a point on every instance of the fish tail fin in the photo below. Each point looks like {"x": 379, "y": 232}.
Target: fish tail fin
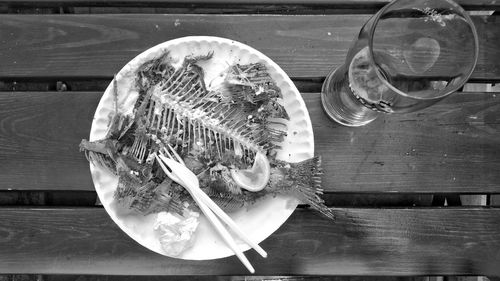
{"x": 306, "y": 179}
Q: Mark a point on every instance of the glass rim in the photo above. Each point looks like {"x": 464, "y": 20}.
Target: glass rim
{"x": 393, "y": 88}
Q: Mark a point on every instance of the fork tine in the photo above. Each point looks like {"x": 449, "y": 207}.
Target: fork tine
{"x": 176, "y": 155}
{"x": 163, "y": 161}
{"x": 165, "y": 151}
{"x": 163, "y": 166}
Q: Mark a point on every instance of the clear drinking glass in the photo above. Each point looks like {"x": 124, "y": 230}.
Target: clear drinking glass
{"x": 409, "y": 55}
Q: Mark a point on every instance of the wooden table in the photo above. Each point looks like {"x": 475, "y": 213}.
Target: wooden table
{"x": 381, "y": 180}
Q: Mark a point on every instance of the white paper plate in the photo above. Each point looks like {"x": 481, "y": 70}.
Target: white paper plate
{"x": 259, "y": 220}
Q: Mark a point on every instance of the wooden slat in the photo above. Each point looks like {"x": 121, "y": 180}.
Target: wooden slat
{"x": 451, "y": 146}
{"x": 305, "y": 46}
{"x": 360, "y": 242}
{"x": 227, "y": 278}
{"x": 40, "y": 136}
{"x": 363, "y": 4}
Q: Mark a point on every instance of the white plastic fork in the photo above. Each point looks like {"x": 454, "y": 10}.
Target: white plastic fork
{"x": 174, "y": 167}
{"x": 211, "y": 204}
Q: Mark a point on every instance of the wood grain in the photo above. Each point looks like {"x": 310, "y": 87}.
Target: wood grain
{"x": 96, "y": 46}
{"x": 451, "y": 146}
{"x": 40, "y": 133}
{"x": 358, "y": 4}
{"x": 67, "y": 277}
{"x": 286, "y": 7}
{"x": 232, "y": 278}
{"x": 228, "y": 278}
{"x": 360, "y": 242}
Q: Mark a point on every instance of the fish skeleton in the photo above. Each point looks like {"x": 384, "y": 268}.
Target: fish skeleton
{"x": 215, "y": 131}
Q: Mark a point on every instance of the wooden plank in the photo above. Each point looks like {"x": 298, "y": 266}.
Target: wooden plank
{"x": 40, "y": 137}
{"x": 67, "y": 277}
{"x": 442, "y": 147}
{"x": 396, "y": 153}
{"x": 360, "y": 242}
{"x": 358, "y": 4}
{"x": 96, "y": 46}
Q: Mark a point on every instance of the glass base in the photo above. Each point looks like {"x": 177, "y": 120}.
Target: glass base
{"x": 340, "y": 104}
